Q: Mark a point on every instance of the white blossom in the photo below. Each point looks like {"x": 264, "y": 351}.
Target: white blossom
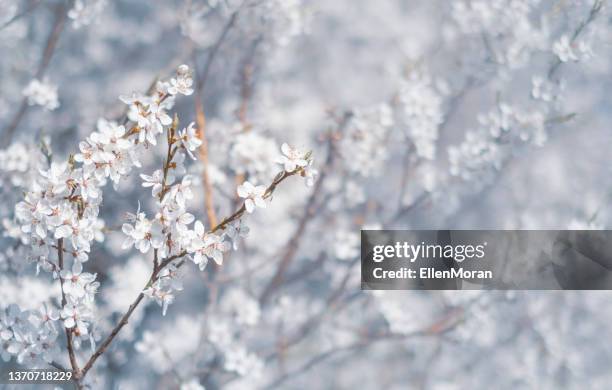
{"x": 42, "y": 93}
{"x": 292, "y": 158}
{"x": 190, "y": 139}
{"x": 253, "y": 196}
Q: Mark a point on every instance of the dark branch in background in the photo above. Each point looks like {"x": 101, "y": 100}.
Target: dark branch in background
{"x": 293, "y": 244}
{"x": 54, "y": 35}
{"x": 443, "y": 325}
{"x": 333, "y": 303}
{"x": 201, "y": 80}
{"x": 31, "y": 7}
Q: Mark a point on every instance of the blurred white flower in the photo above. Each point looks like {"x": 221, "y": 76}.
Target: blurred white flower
{"x": 42, "y": 93}
{"x": 192, "y": 384}
{"x": 563, "y": 49}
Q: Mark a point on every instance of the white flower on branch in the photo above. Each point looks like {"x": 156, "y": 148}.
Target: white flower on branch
{"x": 563, "y": 49}
{"x": 79, "y": 231}
{"x": 32, "y": 211}
{"x": 77, "y": 317}
{"x": 292, "y": 158}
{"x": 155, "y": 181}
{"x": 182, "y": 83}
{"x": 76, "y": 281}
{"x": 46, "y": 316}
{"x": 161, "y": 292}
{"x": 181, "y": 192}
{"x": 144, "y": 234}
{"x": 206, "y": 245}
{"x": 253, "y": 196}
{"x": 189, "y": 139}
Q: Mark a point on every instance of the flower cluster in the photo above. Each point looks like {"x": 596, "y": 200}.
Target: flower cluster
{"x": 294, "y": 159}
{"x": 58, "y": 220}
{"x": 59, "y": 216}
{"x": 568, "y": 50}
{"x": 169, "y": 233}
{"x": 29, "y": 336}
{"x": 485, "y": 149}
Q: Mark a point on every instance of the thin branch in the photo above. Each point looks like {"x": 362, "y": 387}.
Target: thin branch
{"x": 208, "y": 189}
{"x": 201, "y": 81}
{"x": 293, "y": 244}
{"x": 31, "y": 7}
{"x": 439, "y": 327}
{"x": 70, "y": 346}
{"x": 109, "y": 339}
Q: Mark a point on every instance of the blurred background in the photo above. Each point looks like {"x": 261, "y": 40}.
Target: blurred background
{"x": 462, "y": 114}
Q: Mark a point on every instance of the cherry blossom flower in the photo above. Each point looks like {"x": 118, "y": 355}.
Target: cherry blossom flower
{"x": 46, "y": 316}
{"x": 207, "y": 245}
{"x": 75, "y": 316}
{"x": 181, "y": 192}
{"x": 76, "y": 280}
{"x": 253, "y": 196}
{"x": 292, "y": 158}
{"x": 182, "y": 83}
{"x": 563, "y": 49}
{"x": 189, "y": 139}
{"x": 144, "y": 234}
{"x": 160, "y": 292}
{"x": 155, "y": 181}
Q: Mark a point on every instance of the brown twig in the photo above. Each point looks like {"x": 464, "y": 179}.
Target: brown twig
{"x": 201, "y": 117}
{"x": 208, "y": 189}
{"x": 70, "y": 346}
